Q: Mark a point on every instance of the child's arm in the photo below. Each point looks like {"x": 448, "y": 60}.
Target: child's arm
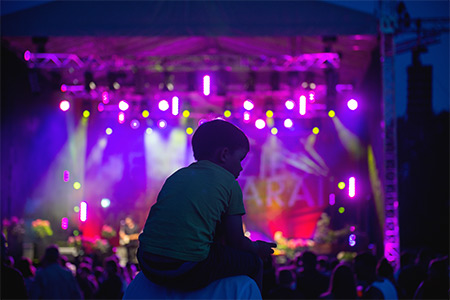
{"x": 235, "y": 237}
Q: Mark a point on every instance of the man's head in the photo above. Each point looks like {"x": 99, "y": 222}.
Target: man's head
{"x": 222, "y": 143}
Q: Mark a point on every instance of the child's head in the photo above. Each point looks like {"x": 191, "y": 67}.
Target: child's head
{"x": 215, "y": 138}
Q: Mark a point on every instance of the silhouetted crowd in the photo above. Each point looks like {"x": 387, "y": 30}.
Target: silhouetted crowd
{"x": 422, "y": 275}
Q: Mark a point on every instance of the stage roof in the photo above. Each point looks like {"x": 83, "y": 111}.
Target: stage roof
{"x": 187, "y": 18}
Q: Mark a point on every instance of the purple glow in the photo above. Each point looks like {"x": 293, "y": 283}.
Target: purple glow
{"x": 288, "y": 123}
{"x": 123, "y": 105}
{"x": 311, "y": 97}
{"x": 332, "y": 199}
{"x": 260, "y": 123}
{"x": 64, "y": 105}
{"x": 246, "y": 117}
{"x": 101, "y": 107}
{"x": 63, "y": 88}
{"x": 289, "y": 104}
{"x": 206, "y": 85}
{"x": 162, "y": 124}
{"x": 83, "y": 211}
{"x": 352, "y": 240}
{"x": 248, "y": 105}
{"x": 105, "y": 97}
{"x": 351, "y": 187}
{"x": 135, "y": 124}
{"x": 352, "y": 104}
{"x": 175, "y": 106}
{"x": 27, "y": 55}
{"x": 302, "y": 105}
{"x": 163, "y": 105}
{"x": 201, "y": 121}
{"x": 64, "y": 223}
{"x": 66, "y": 176}
{"x": 121, "y": 117}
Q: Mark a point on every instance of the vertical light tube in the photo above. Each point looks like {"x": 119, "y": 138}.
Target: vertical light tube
{"x": 175, "y": 106}
{"x": 83, "y": 211}
{"x": 302, "y": 105}
{"x": 351, "y": 187}
{"x": 206, "y": 85}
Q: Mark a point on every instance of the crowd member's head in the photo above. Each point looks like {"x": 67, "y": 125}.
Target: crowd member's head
{"x": 309, "y": 260}
{"x": 384, "y": 269}
{"x": 342, "y": 283}
{"x": 51, "y": 255}
{"x": 25, "y": 266}
{"x": 365, "y": 267}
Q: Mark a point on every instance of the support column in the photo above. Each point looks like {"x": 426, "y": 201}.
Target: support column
{"x": 390, "y": 185}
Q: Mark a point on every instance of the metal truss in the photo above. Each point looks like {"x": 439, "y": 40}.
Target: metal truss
{"x": 60, "y": 60}
{"x": 185, "y": 63}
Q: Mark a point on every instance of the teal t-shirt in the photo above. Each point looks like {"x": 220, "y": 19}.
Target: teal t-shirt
{"x": 182, "y": 222}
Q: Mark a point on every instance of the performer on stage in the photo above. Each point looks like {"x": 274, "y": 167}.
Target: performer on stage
{"x": 129, "y": 235}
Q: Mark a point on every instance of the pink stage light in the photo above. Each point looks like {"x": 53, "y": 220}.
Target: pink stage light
{"x": 64, "y": 105}
{"x": 351, "y": 187}
{"x": 162, "y": 124}
{"x": 163, "y": 105}
{"x": 105, "y": 97}
{"x": 311, "y": 97}
{"x": 27, "y": 55}
{"x": 260, "y": 123}
{"x": 121, "y": 117}
{"x": 63, "y": 88}
{"x": 100, "y": 107}
{"x": 352, "y": 104}
{"x": 123, "y": 105}
{"x": 175, "y": 106}
{"x": 289, "y": 104}
{"x": 206, "y": 85}
{"x": 302, "y": 105}
{"x": 66, "y": 176}
{"x": 83, "y": 211}
{"x": 64, "y": 223}
{"x": 288, "y": 123}
{"x": 248, "y": 105}
{"x": 332, "y": 199}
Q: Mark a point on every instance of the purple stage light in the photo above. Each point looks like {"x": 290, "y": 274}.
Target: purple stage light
{"x": 64, "y": 105}
{"x": 105, "y": 97}
{"x": 66, "y": 176}
{"x": 63, "y": 88}
{"x": 352, "y": 228}
{"x": 121, "y": 117}
{"x": 83, "y": 211}
{"x": 311, "y": 97}
{"x": 302, "y": 105}
{"x": 206, "y": 85}
{"x": 352, "y": 240}
{"x": 248, "y": 105}
{"x": 289, "y": 104}
{"x": 246, "y": 117}
{"x": 332, "y": 199}
{"x": 175, "y": 106}
{"x": 135, "y": 124}
{"x": 123, "y": 105}
{"x": 64, "y": 223}
{"x": 260, "y": 123}
{"x": 162, "y": 124}
{"x": 27, "y": 55}
{"x": 288, "y": 123}
{"x": 351, "y": 187}
{"x": 352, "y": 104}
{"x": 163, "y": 105}
{"x": 100, "y": 107}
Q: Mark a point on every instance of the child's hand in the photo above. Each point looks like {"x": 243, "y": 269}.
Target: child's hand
{"x": 264, "y": 249}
